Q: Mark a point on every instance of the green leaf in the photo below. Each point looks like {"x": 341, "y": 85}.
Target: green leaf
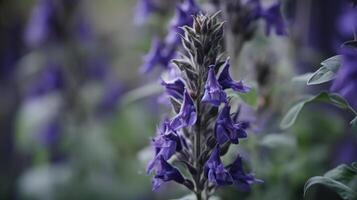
{"x": 322, "y": 75}
{"x": 332, "y": 63}
{"x": 338, "y": 179}
{"x": 332, "y": 98}
{"x": 250, "y": 98}
{"x": 327, "y": 72}
{"x": 303, "y": 78}
{"x": 141, "y": 93}
{"x": 291, "y": 116}
{"x": 278, "y": 140}
{"x": 354, "y": 122}
{"x": 343, "y": 190}
{"x": 342, "y": 173}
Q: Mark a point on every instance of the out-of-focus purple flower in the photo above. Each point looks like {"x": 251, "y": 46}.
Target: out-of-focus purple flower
{"x": 226, "y": 81}
{"x": 97, "y": 68}
{"x": 215, "y": 171}
{"x": 162, "y": 52}
{"x": 183, "y": 17}
{"x": 83, "y": 30}
{"x": 187, "y": 115}
{"x": 347, "y": 23}
{"x": 345, "y": 151}
{"x": 49, "y": 133}
{"x": 274, "y": 20}
{"x": 159, "y": 54}
{"x": 213, "y": 90}
{"x": 240, "y": 178}
{"x": 39, "y": 29}
{"x": 242, "y": 15}
{"x": 111, "y": 96}
{"x": 166, "y": 143}
{"x": 143, "y": 10}
{"x": 345, "y": 82}
{"x": 175, "y": 89}
{"x": 228, "y": 130}
{"x": 51, "y": 78}
{"x": 166, "y": 172}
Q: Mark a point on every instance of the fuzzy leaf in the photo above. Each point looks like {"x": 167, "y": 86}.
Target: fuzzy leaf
{"x": 141, "y": 93}
{"x": 335, "y": 99}
{"x": 338, "y": 180}
{"x": 332, "y": 63}
{"x": 322, "y": 75}
{"x": 278, "y": 141}
{"x": 354, "y": 122}
{"x": 343, "y": 190}
{"x": 291, "y": 116}
{"x": 303, "y": 78}
{"x": 327, "y": 72}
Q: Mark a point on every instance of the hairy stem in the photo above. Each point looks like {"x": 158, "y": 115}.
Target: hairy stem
{"x": 197, "y": 140}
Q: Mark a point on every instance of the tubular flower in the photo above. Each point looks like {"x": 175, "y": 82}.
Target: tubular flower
{"x": 201, "y": 130}
{"x": 226, "y": 81}
{"x": 213, "y": 91}
{"x": 227, "y": 130}
{"x": 187, "y": 115}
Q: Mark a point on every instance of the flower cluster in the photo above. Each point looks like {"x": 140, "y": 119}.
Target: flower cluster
{"x": 162, "y": 51}
{"x": 53, "y": 25}
{"x": 204, "y": 127}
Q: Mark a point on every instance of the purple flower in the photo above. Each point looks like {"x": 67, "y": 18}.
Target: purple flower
{"x": 228, "y": 130}
{"x": 111, "y": 96}
{"x": 50, "y": 79}
{"x": 240, "y": 178}
{"x": 183, "y": 17}
{"x": 39, "y": 29}
{"x": 166, "y": 144}
{"x": 187, "y": 115}
{"x": 213, "y": 90}
{"x": 143, "y": 9}
{"x": 345, "y": 82}
{"x": 159, "y": 54}
{"x": 175, "y": 89}
{"x": 274, "y": 20}
{"x": 347, "y": 23}
{"x": 50, "y": 133}
{"x": 226, "y": 81}
{"x": 215, "y": 171}
{"x": 166, "y": 172}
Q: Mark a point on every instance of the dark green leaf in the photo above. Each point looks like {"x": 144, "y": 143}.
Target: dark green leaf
{"x": 327, "y": 72}
{"x": 332, "y": 63}
{"x": 343, "y": 190}
{"x": 338, "y": 179}
{"x": 332, "y": 98}
{"x": 278, "y": 141}
{"x": 354, "y": 122}
{"x": 322, "y": 75}
{"x": 291, "y": 116}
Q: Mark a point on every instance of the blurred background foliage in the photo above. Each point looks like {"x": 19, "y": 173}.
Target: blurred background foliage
{"x": 76, "y": 116}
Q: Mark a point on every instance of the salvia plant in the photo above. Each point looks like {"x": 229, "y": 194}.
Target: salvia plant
{"x": 204, "y": 126}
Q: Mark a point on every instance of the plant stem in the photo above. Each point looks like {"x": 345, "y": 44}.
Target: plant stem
{"x": 197, "y": 139}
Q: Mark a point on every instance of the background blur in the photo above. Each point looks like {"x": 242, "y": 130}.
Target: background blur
{"x": 76, "y": 115}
